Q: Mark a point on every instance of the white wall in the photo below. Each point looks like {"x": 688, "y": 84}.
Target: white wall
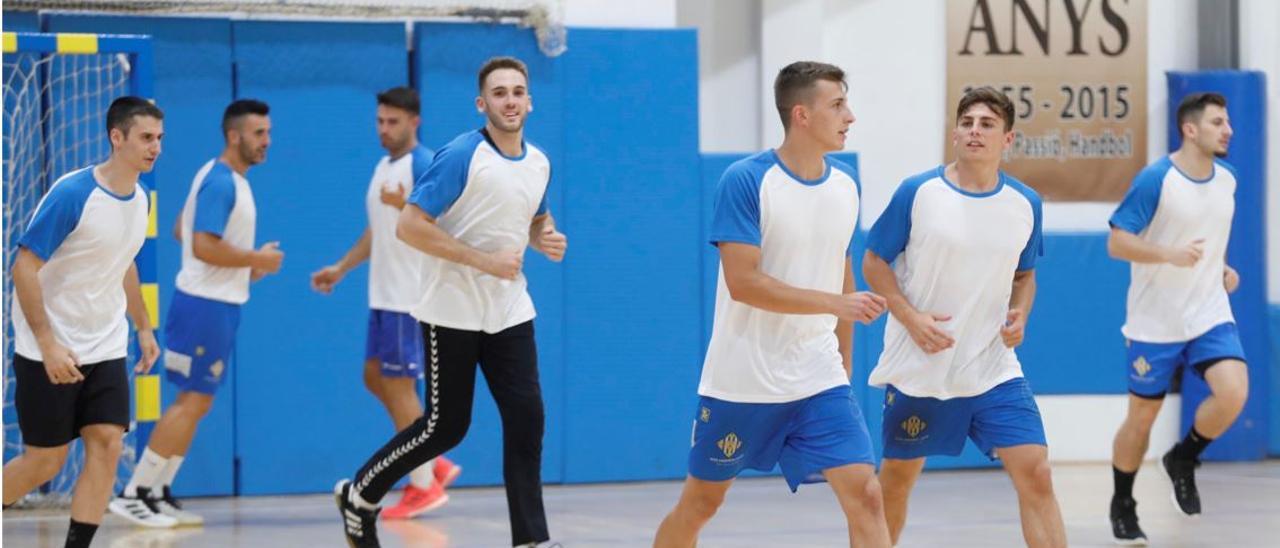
{"x": 610, "y": 13}
{"x": 1260, "y": 50}
{"x": 729, "y": 101}
{"x": 895, "y": 56}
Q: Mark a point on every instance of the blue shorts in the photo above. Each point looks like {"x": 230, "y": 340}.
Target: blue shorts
{"x": 1004, "y": 416}
{"x": 395, "y": 339}
{"x": 1152, "y": 365}
{"x": 199, "y": 337}
{"x": 804, "y": 437}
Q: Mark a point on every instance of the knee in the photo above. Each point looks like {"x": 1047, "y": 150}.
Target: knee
{"x": 449, "y": 430}
{"x": 700, "y": 508}
{"x": 373, "y": 381}
{"x": 1234, "y": 395}
{"x": 871, "y": 496}
{"x": 196, "y": 407}
{"x": 1039, "y": 481}
{"x": 104, "y": 443}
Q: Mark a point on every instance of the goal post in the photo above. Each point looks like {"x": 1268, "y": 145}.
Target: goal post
{"x": 57, "y": 88}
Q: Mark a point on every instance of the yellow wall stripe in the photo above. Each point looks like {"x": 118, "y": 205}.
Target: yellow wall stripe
{"x": 151, "y": 217}
{"x": 10, "y": 42}
{"x": 151, "y": 296}
{"x": 69, "y": 42}
{"x": 146, "y": 391}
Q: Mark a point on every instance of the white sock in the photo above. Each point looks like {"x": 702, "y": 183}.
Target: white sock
{"x": 149, "y": 468}
{"x": 170, "y": 471}
{"x": 361, "y": 503}
{"x": 423, "y": 476}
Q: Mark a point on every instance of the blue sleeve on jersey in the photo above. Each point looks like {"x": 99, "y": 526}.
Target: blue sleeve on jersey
{"x": 1139, "y": 204}
{"x": 214, "y": 202}
{"x": 736, "y": 214}
{"x": 889, "y": 235}
{"x": 848, "y": 170}
{"x": 421, "y": 161}
{"x": 56, "y": 216}
{"x": 1035, "y": 243}
{"x": 442, "y": 182}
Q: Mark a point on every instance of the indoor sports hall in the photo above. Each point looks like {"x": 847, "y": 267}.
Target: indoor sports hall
{"x": 645, "y": 111}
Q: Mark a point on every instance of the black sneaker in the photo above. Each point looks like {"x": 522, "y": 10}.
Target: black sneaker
{"x": 1183, "y": 475}
{"x": 1124, "y": 523}
{"x": 360, "y": 526}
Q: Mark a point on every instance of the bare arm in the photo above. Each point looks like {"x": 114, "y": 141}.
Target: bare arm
{"x": 1021, "y": 297}
{"x": 1024, "y": 291}
{"x": 26, "y": 283}
{"x": 922, "y": 326}
{"x": 544, "y": 238}
{"x": 137, "y": 309}
{"x": 358, "y": 253}
{"x": 326, "y": 278}
{"x": 1127, "y": 246}
{"x": 880, "y": 278}
{"x": 217, "y": 252}
{"x": 59, "y": 361}
{"x": 749, "y": 285}
{"x": 136, "y": 306}
{"x": 177, "y": 228}
{"x": 844, "y": 328}
{"x": 420, "y": 231}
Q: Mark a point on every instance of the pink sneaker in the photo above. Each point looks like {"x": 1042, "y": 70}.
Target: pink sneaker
{"x": 445, "y": 471}
{"x": 416, "y": 502}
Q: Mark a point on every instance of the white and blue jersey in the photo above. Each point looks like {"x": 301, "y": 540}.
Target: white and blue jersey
{"x": 395, "y": 268}
{"x": 804, "y": 229}
{"x": 487, "y": 201}
{"x": 204, "y": 313}
{"x": 220, "y": 203}
{"x": 87, "y": 237}
{"x": 774, "y": 389}
{"x": 955, "y": 253}
{"x": 1166, "y": 207}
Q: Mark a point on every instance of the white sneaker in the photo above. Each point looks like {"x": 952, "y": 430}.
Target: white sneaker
{"x": 169, "y": 506}
{"x": 139, "y": 511}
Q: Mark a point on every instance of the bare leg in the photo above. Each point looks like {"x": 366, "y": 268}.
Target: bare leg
{"x": 698, "y": 502}
{"x": 897, "y": 478}
{"x": 859, "y": 494}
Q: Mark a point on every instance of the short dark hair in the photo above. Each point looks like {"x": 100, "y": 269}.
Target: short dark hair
{"x": 1193, "y": 105}
{"x": 496, "y": 63}
{"x": 122, "y": 111}
{"x": 795, "y": 83}
{"x": 403, "y": 97}
{"x": 993, "y": 98}
{"x": 239, "y": 109}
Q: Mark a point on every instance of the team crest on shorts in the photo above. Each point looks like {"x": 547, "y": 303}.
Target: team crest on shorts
{"x": 705, "y": 415}
{"x": 914, "y": 425}
{"x": 729, "y": 445}
{"x": 1141, "y": 366}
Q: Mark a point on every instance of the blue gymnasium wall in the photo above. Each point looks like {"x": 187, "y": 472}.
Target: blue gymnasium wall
{"x": 1245, "y": 92}
{"x": 622, "y": 322}
{"x": 303, "y": 416}
{"x": 193, "y": 84}
{"x": 632, "y": 319}
{"x": 446, "y": 59}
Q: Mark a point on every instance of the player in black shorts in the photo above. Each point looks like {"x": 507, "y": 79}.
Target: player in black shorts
{"x": 75, "y": 279}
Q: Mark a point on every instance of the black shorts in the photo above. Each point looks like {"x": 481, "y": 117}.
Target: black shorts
{"x": 51, "y": 415}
